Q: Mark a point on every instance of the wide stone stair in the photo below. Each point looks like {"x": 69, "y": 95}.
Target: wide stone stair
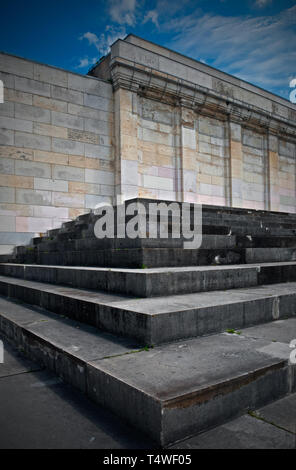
{"x": 155, "y": 332}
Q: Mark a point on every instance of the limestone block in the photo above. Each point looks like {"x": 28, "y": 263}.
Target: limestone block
{"x": 6, "y": 137}
{"x": 23, "y": 139}
{"x": 16, "y": 124}
{"x": 67, "y": 199}
{"x": 15, "y": 65}
{"x": 91, "y": 113}
{"x": 7, "y": 223}
{"x": 97, "y": 126}
{"x": 68, "y": 173}
{"x": 156, "y": 182}
{"x": 32, "y": 86}
{"x": 49, "y": 103}
{"x": 7, "y": 109}
{"x": 6, "y": 166}
{"x": 32, "y": 168}
{"x": 91, "y": 85}
{"x": 32, "y": 113}
{"x": 15, "y": 152}
{"x": 67, "y": 146}
{"x": 17, "y": 96}
{"x": 33, "y": 197}
{"x": 66, "y": 120}
{"x": 97, "y": 102}
{"x": 52, "y": 75}
{"x": 7, "y": 195}
{"x": 51, "y": 157}
{"x": 129, "y": 172}
{"x": 49, "y": 130}
{"x": 50, "y": 184}
{"x": 51, "y": 212}
{"x": 16, "y": 181}
{"x": 98, "y": 151}
{"x": 98, "y": 176}
{"x": 65, "y": 94}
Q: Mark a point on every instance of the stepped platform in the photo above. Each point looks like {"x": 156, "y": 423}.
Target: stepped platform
{"x": 167, "y": 338}
{"x": 169, "y": 392}
{"x": 229, "y": 236}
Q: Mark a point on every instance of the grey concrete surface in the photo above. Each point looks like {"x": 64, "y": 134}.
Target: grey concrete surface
{"x": 39, "y": 411}
{"x": 156, "y": 281}
{"x": 160, "y": 319}
{"x": 168, "y": 392}
{"x": 245, "y": 432}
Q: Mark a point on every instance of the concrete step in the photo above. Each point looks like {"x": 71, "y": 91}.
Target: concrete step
{"x": 157, "y": 281}
{"x": 160, "y": 319}
{"x": 169, "y": 392}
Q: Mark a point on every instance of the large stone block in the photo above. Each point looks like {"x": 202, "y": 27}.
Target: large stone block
{"x": 32, "y": 86}
{"x": 32, "y": 141}
{"x": 16, "y": 181}
{"x": 45, "y": 73}
{"x": 97, "y": 102}
{"x": 33, "y": 197}
{"x": 6, "y": 166}
{"x": 49, "y": 103}
{"x": 50, "y": 184}
{"x": 29, "y": 168}
{"x": 68, "y": 173}
{"x": 16, "y": 65}
{"x": 90, "y": 85}
{"x": 97, "y": 176}
{"x": 70, "y": 147}
{"x": 7, "y": 195}
{"x": 67, "y": 199}
{"x": 6, "y": 137}
{"x": 18, "y": 96}
{"x": 67, "y": 120}
{"x": 66, "y": 94}
{"x": 16, "y": 124}
{"x": 7, "y": 223}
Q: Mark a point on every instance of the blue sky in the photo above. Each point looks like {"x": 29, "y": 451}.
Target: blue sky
{"x": 252, "y": 39}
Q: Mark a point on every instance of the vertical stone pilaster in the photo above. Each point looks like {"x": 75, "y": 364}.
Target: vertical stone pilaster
{"x": 188, "y": 155}
{"x": 126, "y": 143}
{"x": 235, "y": 164}
{"x": 273, "y": 173}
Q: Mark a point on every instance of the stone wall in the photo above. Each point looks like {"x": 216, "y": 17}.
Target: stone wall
{"x": 150, "y": 123}
{"x": 188, "y": 132}
{"x": 56, "y": 154}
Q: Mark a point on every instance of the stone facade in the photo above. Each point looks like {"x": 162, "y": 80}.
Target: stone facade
{"x": 148, "y": 122}
{"x": 56, "y": 154}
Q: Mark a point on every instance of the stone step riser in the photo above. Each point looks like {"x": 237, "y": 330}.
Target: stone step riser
{"x": 166, "y": 421}
{"x": 153, "y": 284}
{"x": 146, "y": 328}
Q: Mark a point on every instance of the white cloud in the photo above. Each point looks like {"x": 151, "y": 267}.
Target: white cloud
{"x": 86, "y": 62}
{"x": 258, "y": 49}
{"x": 104, "y": 41}
{"x": 151, "y": 15}
{"x": 123, "y": 11}
{"x": 262, "y": 3}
